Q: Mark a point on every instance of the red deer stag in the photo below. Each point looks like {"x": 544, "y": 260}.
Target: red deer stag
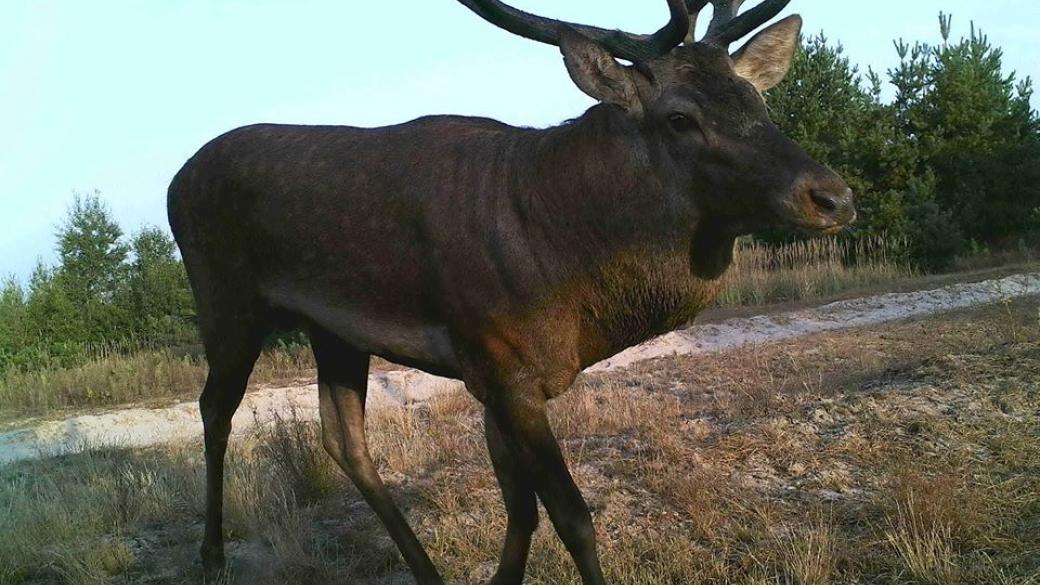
{"x": 510, "y": 258}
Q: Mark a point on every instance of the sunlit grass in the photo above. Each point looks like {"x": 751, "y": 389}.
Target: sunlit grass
{"x": 812, "y": 268}
{"x": 688, "y": 483}
{"x": 116, "y": 378}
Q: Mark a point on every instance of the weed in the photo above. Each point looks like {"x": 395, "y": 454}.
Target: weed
{"x": 292, "y": 451}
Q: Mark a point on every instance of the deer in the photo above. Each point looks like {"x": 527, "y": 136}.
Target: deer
{"x": 509, "y": 258}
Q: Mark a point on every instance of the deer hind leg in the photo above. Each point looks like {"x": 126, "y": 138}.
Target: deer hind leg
{"x": 231, "y": 355}
{"x": 342, "y": 387}
{"x": 521, "y": 506}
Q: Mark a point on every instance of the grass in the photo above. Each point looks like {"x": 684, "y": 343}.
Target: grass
{"x": 116, "y": 379}
{"x": 924, "y": 545}
{"x": 812, "y": 269}
{"x": 810, "y": 554}
{"x": 905, "y": 453}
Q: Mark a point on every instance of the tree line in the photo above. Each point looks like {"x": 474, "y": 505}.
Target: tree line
{"x": 951, "y": 164}
{"x": 107, "y": 293}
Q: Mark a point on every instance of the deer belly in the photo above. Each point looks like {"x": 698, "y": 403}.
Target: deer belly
{"x": 409, "y": 341}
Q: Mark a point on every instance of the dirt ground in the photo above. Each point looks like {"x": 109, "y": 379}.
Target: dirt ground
{"x": 898, "y": 453}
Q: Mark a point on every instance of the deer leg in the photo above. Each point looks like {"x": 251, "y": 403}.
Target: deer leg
{"x": 230, "y": 363}
{"x": 521, "y": 506}
{"x": 524, "y": 423}
{"x": 342, "y": 387}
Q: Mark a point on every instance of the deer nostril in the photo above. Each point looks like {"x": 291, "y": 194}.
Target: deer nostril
{"x": 827, "y": 202}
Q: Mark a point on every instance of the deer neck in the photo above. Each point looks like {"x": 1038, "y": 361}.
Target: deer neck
{"x": 645, "y": 262}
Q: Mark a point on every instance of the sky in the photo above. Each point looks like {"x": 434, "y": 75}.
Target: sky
{"x": 114, "y": 95}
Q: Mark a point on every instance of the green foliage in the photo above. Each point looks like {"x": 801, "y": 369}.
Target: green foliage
{"x": 12, "y": 320}
{"x": 949, "y": 164}
{"x": 54, "y": 325}
{"x": 106, "y": 294}
{"x": 822, "y": 106}
{"x": 937, "y": 236}
{"x": 92, "y": 271}
{"x": 158, "y": 295}
{"x": 977, "y": 132}
{"x": 91, "y": 250}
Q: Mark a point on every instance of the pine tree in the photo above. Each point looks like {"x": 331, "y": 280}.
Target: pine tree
{"x": 975, "y": 130}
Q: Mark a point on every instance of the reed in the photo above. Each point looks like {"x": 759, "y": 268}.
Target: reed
{"x": 116, "y": 378}
{"x": 808, "y": 269}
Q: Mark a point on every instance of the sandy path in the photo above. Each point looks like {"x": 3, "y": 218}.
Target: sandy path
{"x": 142, "y": 427}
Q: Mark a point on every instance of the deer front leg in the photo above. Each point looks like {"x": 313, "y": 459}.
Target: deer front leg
{"x": 521, "y": 506}
{"x": 521, "y": 417}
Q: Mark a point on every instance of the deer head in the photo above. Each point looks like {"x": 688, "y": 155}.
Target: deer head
{"x": 702, "y": 110}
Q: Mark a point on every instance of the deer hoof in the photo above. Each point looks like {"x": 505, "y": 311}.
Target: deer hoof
{"x": 212, "y": 562}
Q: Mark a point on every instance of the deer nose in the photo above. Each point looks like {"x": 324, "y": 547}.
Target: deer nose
{"x": 834, "y": 206}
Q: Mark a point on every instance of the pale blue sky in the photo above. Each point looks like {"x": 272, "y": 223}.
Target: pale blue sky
{"x": 115, "y": 95}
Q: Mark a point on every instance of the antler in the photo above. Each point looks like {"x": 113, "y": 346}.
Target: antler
{"x": 633, "y": 47}
{"x": 726, "y": 27}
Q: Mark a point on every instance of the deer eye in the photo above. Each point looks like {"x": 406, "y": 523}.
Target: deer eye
{"x": 681, "y": 122}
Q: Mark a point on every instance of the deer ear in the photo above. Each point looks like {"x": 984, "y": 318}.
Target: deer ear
{"x": 596, "y": 72}
{"x": 766, "y": 58}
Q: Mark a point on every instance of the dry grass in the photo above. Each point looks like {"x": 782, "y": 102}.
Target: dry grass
{"x": 905, "y": 453}
{"x": 292, "y": 448}
{"x": 812, "y": 269}
{"x": 118, "y": 379}
{"x": 924, "y": 545}
{"x": 811, "y": 553}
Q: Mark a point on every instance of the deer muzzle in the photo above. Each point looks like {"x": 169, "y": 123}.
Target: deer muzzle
{"x": 829, "y": 211}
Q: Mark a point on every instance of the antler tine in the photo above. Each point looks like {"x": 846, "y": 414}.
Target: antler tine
{"x": 633, "y": 47}
{"x": 725, "y": 12}
{"x": 726, "y": 27}
{"x": 693, "y": 7}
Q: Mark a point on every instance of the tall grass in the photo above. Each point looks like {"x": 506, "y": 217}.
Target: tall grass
{"x": 924, "y": 545}
{"x": 94, "y": 517}
{"x": 812, "y": 268}
{"x": 116, "y": 378}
